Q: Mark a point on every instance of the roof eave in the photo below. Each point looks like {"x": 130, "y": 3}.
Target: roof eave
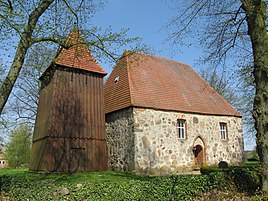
{"x": 181, "y": 111}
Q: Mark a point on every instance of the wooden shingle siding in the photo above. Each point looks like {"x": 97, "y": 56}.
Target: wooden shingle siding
{"x": 69, "y": 131}
{"x": 72, "y": 137}
{"x": 43, "y": 114}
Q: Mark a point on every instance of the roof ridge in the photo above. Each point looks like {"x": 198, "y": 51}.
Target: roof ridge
{"x": 155, "y": 56}
{"x": 128, "y": 78}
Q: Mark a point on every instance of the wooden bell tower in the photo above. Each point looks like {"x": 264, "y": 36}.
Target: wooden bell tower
{"x": 69, "y": 132}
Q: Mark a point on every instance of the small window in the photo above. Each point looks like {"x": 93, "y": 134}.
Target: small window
{"x": 181, "y": 128}
{"x": 116, "y": 79}
{"x": 223, "y": 128}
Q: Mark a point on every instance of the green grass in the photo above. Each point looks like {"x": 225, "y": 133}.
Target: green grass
{"x": 252, "y": 163}
{"x": 109, "y": 176}
{"x": 20, "y": 184}
{"x": 11, "y": 171}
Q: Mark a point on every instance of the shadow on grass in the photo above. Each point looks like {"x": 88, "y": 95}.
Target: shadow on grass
{"x": 78, "y": 177}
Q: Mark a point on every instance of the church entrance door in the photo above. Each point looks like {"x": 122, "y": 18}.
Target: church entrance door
{"x": 199, "y": 155}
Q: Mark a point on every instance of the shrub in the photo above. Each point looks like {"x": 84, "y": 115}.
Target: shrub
{"x": 253, "y": 159}
{"x": 244, "y": 179}
{"x": 5, "y": 183}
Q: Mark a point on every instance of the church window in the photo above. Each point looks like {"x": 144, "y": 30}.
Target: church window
{"x": 181, "y": 127}
{"x": 223, "y": 128}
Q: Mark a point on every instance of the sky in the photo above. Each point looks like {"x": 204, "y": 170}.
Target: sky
{"x": 147, "y": 19}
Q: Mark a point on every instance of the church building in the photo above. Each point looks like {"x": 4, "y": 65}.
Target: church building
{"x": 163, "y": 118}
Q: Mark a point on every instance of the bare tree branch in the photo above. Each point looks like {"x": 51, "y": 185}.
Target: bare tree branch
{"x": 72, "y": 11}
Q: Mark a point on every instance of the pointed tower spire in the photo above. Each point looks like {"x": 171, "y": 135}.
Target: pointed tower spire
{"x": 78, "y": 55}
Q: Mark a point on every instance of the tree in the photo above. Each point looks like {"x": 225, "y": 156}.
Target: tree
{"x": 22, "y": 105}
{"x": 18, "y": 149}
{"x": 2, "y": 119}
{"x": 23, "y": 102}
{"x": 221, "y": 84}
{"x": 47, "y": 21}
{"x": 234, "y": 28}
{"x": 247, "y": 90}
{"x": 238, "y": 91}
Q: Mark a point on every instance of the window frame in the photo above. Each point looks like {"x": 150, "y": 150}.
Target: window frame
{"x": 181, "y": 129}
{"x": 223, "y": 131}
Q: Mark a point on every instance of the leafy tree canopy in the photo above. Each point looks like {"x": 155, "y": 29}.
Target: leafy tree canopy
{"x": 24, "y": 24}
{"x": 18, "y": 148}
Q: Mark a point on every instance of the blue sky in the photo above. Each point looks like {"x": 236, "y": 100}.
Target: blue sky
{"x": 145, "y": 18}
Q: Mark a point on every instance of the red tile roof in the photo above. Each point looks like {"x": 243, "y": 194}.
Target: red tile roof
{"x": 153, "y": 82}
{"x": 78, "y": 56}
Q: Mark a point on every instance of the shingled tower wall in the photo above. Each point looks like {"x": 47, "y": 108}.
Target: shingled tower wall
{"x": 69, "y": 130}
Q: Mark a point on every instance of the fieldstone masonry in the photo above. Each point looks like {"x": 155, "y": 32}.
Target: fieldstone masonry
{"x": 120, "y": 140}
{"x": 146, "y": 141}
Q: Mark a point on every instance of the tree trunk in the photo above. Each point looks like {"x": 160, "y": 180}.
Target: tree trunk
{"x": 13, "y": 74}
{"x": 23, "y": 46}
{"x": 256, "y": 17}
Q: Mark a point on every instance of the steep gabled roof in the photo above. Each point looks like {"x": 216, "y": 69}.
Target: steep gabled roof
{"x": 153, "y": 82}
{"x": 77, "y": 56}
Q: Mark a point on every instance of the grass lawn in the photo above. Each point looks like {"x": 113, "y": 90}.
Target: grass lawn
{"x": 20, "y": 184}
{"x": 252, "y": 163}
{"x": 80, "y": 177}
{"x": 11, "y": 171}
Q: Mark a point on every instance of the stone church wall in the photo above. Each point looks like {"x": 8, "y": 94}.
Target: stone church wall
{"x": 120, "y": 140}
{"x": 146, "y": 141}
{"x": 158, "y": 150}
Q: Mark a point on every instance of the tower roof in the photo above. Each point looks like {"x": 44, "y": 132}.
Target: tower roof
{"x": 148, "y": 81}
{"x": 78, "y": 56}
